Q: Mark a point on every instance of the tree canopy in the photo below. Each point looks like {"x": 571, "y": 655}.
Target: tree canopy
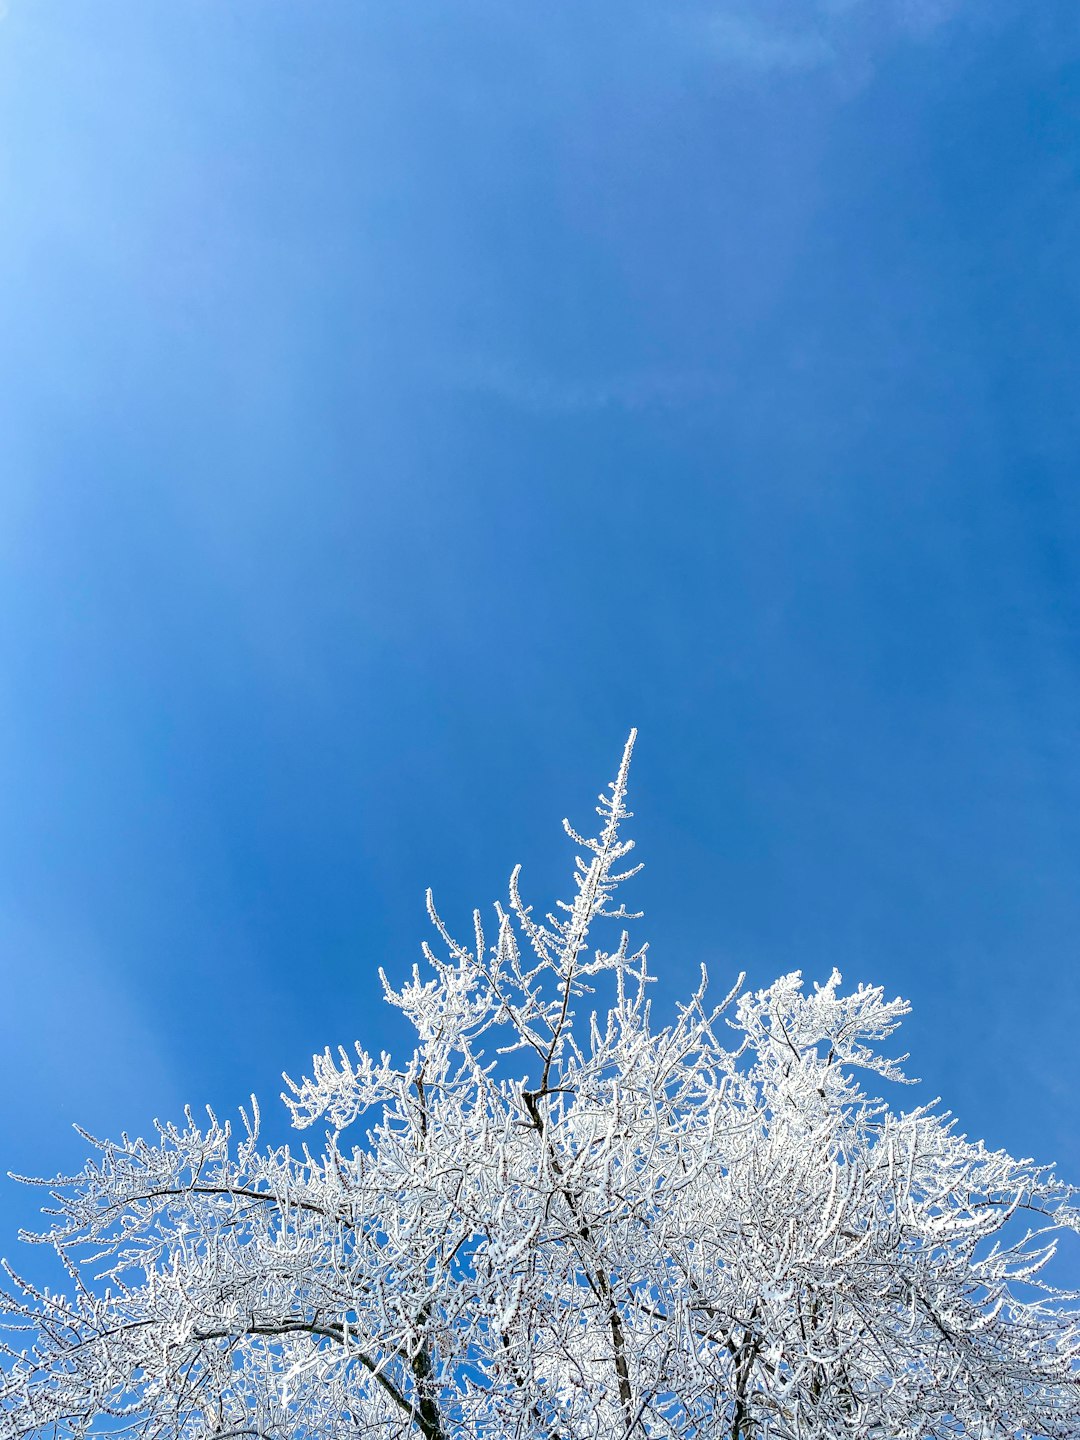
{"x": 559, "y": 1220}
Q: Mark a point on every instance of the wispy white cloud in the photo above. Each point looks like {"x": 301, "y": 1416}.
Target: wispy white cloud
{"x": 783, "y": 36}
{"x": 550, "y": 395}
{"x": 756, "y": 45}
{"x": 838, "y": 44}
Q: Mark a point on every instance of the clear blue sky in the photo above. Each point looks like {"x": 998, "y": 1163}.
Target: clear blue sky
{"x": 400, "y": 401}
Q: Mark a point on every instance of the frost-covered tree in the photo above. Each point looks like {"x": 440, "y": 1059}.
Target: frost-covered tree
{"x": 559, "y": 1220}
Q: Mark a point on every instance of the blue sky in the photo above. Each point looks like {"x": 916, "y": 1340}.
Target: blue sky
{"x": 399, "y": 402}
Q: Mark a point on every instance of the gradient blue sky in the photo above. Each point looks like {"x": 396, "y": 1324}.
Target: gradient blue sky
{"x": 400, "y": 401}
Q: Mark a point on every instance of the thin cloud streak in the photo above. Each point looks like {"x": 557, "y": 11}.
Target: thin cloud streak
{"x": 547, "y": 394}
{"x": 740, "y": 40}
{"x": 850, "y": 34}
